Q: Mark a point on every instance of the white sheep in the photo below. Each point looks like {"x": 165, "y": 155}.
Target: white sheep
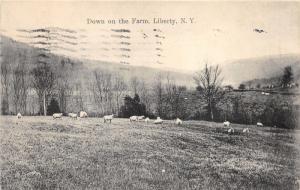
{"x": 57, "y": 115}
{"x": 140, "y": 117}
{"x": 178, "y": 121}
{"x": 19, "y": 116}
{"x": 158, "y": 121}
{"x": 246, "y": 130}
{"x": 82, "y": 114}
{"x": 230, "y": 130}
{"x": 263, "y": 93}
{"x": 73, "y": 115}
{"x": 133, "y": 118}
{"x": 147, "y": 119}
{"x": 259, "y": 124}
{"x": 108, "y": 118}
{"x": 267, "y": 94}
{"x": 226, "y": 123}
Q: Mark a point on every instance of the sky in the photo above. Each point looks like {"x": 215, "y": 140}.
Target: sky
{"x": 220, "y": 32}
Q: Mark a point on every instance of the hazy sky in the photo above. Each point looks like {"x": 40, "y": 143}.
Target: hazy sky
{"x": 221, "y": 31}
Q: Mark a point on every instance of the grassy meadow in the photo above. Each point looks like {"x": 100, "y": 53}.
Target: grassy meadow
{"x": 43, "y": 153}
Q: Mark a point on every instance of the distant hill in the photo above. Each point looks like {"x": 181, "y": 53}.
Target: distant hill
{"x": 14, "y": 49}
{"x": 263, "y": 69}
{"x": 146, "y": 73}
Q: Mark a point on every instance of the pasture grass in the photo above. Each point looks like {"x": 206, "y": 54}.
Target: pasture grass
{"x": 42, "y": 153}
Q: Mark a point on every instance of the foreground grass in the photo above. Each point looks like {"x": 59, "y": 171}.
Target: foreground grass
{"x": 42, "y": 153}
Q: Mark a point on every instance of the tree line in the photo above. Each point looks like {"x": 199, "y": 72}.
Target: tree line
{"x": 32, "y": 82}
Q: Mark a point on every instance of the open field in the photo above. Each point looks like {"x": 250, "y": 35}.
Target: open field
{"x": 42, "y": 153}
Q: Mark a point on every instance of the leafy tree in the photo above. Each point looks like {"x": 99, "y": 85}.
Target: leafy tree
{"x": 287, "y": 77}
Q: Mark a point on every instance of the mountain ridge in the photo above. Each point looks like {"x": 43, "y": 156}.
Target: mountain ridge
{"x": 234, "y": 72}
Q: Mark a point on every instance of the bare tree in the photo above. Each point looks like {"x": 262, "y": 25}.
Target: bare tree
{"x": 208, "y": 83}
{"x": 25, "y": 90}
{"x": 78, "y": 97}
{"x": 107, "y": 89}
{"x": 17, "y": 83}
{"x": 64, "y": 88}
{"x": 178, "y": 105}
{"x": 102, "y": 90}
{"x": 5, "y": 77}
{"x": 158, "y": 94}
{"x": 134, "y": 84}
{"x": 119, "y": 89}
{"x": 97, "y": 89}
{"x": 169, "y": 85}
{"x": 20, "y": 83}
{"x": 250, "y": 83}
{"x": 145, "y": 95}
{"x": 174, "y": 99}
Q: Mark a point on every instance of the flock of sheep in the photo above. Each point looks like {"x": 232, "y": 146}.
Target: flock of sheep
{"x": 265, "y": 93}
{"x": 109, "y": 118}
{"x": 147, "y": 120}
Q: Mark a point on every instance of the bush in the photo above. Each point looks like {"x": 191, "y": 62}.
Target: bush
{"x": 242, "y": 87}
{"x": 132, "y": 106}
{"x": 251, "y": 107}
{"x": 280, "y": 113}
{"x": 53, "y": 107}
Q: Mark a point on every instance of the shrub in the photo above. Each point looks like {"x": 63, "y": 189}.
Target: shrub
{"x": 53, "y": 107}
{"x": 242, "y": 87}
{"x": 132, "y": 106}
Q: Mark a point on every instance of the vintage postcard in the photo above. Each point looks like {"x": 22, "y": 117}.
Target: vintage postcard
{"x": 150, "y": 95}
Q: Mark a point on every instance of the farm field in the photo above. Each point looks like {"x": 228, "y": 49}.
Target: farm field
{"x": 43, "y": 153}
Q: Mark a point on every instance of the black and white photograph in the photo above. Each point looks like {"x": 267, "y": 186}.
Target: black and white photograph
{"x": 149, "y": 95}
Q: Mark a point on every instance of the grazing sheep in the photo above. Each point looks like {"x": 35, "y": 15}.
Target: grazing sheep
{"x": 82, "y": 114}
{"x": 267, "y": 94}
{"x": 57, "y": 115}
{"x": 140, "y": 117}
{"x": 230, "y": 130}
{"x": 226, "y": 123}
{"x": 259, "y": 124}
{"x": 178, "y": 121}
{"x": 246, "y": 130}
{"x": 73, "y": 115}
{"x": 263, "y": 93}
{"x": 158, "y": 121}
{"x": 147, "y": 120}
{"x": 19, "y": 116}
{"x": 108, "y": 118}
{"x": 133, "y": 118}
